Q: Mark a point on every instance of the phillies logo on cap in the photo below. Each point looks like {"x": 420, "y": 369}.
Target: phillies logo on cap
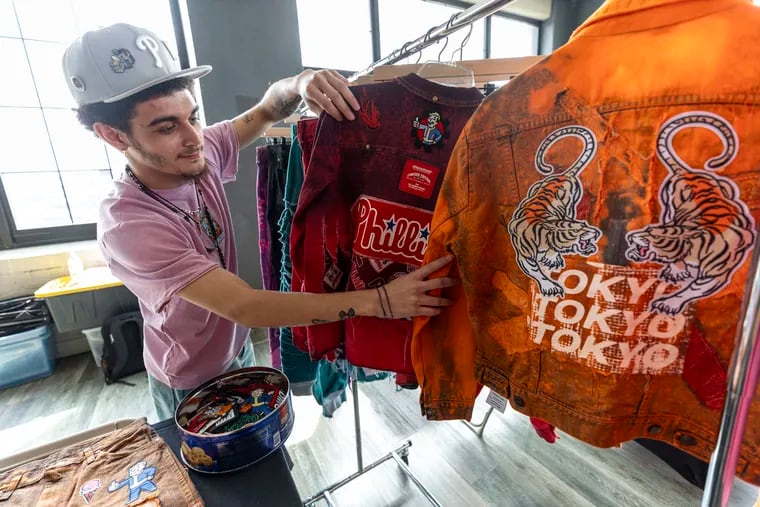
{"x": 390, "y": 231}
{"x": 88, "y": 490}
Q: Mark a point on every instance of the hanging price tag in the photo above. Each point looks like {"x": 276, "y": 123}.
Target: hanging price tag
{"x": 497, "y": 401}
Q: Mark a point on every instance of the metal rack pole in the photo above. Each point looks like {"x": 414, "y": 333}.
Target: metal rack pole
{"x": 457, "y": 21}
{"x": 397, "y": 455}
{"x": 357, "y": 422}
{"x": 478, "y": 428}
{"x": 742, "y": 381}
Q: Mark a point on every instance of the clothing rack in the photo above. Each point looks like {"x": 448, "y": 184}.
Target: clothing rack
{"x": 401, "y": 454}
{"x": 457, "y": 21}
{"x": 742, "y": 382}
{"x": 743, "y": 369}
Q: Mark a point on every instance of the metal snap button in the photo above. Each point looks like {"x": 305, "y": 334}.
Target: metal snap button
{"x": 654, "y": 429}
{"x": 519, "y": 401}
{"x": 686, "y": 440}
{"x": 435, "y": 98}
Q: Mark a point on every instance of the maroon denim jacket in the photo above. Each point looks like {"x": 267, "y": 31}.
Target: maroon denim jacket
{"x": 363, "y": 216}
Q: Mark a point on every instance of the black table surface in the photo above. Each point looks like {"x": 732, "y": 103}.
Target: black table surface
{"x": 266, "y": 483}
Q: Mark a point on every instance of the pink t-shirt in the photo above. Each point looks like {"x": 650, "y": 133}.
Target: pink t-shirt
{"x": 156, "y": 253}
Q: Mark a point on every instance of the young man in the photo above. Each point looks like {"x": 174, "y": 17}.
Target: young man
{"x": 166, "y": 231}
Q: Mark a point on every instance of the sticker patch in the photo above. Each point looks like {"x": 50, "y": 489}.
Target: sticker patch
{"x": 429, "y": 130}
{"x": 418, "y": 178}
{"x": 88, "y": 490}
{"x": 544, "y": 225}
{"x": 121, "y": 60}
{"x": 604, "y": 323}
{"x": 139, "y": 479}
{"x": 705, "y": 229}
{"x": 391, "y": 231}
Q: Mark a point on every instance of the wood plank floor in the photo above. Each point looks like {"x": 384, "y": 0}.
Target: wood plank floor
{"x": 508, "y": 466}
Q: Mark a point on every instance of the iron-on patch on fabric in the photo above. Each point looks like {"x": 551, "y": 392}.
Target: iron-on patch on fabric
{"x": 139, "y": 479}
{"x": 390, "y": 231}
{"x": 418, "y": 178}
{"x": 429, "y": 130}
{"x": 121, "y": 60}
{"x": 370, "y": 114}
{"x": 88, "y": 490}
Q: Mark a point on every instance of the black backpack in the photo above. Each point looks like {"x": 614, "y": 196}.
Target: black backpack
{"x": 122, "y": 346}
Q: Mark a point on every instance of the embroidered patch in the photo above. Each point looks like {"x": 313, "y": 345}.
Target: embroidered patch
{"x": 544, "y": 225}
{"x": 429, "y": 130}
{"x": 705, "y": 229}
{"x": 392, "y": 231}
{"x": 369, "y": 114}
{"x": 121, "y": 60}
{"x": 418, "y": 178}
{"x": 88, "y": 490}
{"x": 139, "y": 479}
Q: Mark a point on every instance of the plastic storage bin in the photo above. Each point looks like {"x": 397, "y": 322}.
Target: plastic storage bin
{"x": 95, "y": 341}
{"x": 26, "y": 356}
{"x": 86, "y": 300}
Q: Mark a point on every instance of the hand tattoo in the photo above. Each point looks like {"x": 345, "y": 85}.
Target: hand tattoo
{"x": 347, "y": 315}
{"x": 286, "y": 106}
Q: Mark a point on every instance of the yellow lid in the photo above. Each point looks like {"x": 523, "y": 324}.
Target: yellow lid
{"x": 88, "y": 280}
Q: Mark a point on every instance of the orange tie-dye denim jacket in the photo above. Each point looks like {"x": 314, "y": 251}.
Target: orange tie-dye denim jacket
{"x": 602, "y": 208}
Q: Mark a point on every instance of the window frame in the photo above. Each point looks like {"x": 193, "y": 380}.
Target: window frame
{"x": 11, "y": 237}
{"x": 375, "y": 28}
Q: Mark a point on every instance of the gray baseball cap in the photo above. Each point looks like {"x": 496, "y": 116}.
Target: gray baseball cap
{"x": 117, "y": 61}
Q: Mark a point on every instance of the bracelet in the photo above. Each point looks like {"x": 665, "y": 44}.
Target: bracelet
{"x": 388, "y": 301}
{"x": 380, "y": 298}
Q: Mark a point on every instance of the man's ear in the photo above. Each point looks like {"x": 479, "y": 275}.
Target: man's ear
{"x": 112, "y": 136}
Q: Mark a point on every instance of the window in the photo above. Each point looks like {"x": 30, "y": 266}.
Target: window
{"x": 405, "y": 20}
{"x": 510, "y": 38}
{"x": 53, "y": 172}
{"x": 335, "y": 34}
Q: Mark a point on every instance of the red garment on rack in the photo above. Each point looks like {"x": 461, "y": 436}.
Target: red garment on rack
{"x": 307, "y": 134}
{"x": 363, "y": 216}
{"x": 603, "y": 208}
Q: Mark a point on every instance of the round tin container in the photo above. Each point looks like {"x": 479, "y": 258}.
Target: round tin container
{"x": 234, "y": 420}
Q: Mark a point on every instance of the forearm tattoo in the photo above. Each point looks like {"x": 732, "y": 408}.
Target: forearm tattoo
{"x": 249, "y": 117}
{"x": 347, "y": 315}
{"x": 342, "y": 315}
{"x": 286, "y": 106}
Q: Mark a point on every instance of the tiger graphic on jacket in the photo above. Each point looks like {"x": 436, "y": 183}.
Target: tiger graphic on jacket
{"x": 705, "y": 229}
{"x": 544, "y": 225}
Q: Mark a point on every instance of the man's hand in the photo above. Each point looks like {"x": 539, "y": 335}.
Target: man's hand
{"x": 327, "y": 90}
{"x": 407, "y": 295}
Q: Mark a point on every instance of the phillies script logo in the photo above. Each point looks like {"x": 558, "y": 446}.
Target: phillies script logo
{"x": 391, "y": 231}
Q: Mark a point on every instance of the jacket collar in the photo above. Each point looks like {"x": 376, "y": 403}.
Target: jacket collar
{"x": 625, "y": 16}
{"x": 441, "y": 93}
